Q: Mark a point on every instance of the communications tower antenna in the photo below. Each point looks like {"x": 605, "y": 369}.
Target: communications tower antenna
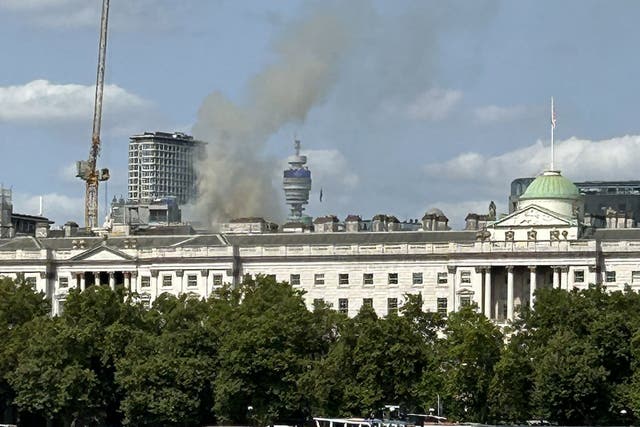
{"x": 87, "y": 170}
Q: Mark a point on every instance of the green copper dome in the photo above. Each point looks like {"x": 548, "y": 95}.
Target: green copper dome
{"x": 551, "y": 185}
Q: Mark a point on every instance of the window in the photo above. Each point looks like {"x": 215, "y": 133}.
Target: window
{"x": 61, "y": 306}
{"x": 31, "y": 281}
{"x": 392, "y": 305}
{"x": 343, "y": 279}
{"x": 166, "y": 280}
{"x": 269, "y": 276}
{"x": 367, "y": 302}
{"x": 294, "y": 280}
{"x": 63, "y": 282}
{"x": 442, "y": 305}
{"x": 217, "y": 279}
{"x": 635, "y": 277}
{"x": 442, "y": 278}
{"x": 343, "y": 305}
{"x": 393, "y": 278}
{"x": 610, "y": 276}
{"x": 318, "y": 279}
{"x": 317, "y": 302}
{"x": 465, "y": 276}
{"x": 192, "y": 280}
{"x": 417, "y": 279}
{"x": 145, "y": 281}
{"x": 465, "y": 301}
{"x": 578, "y": 276}
{"x": 367, "y": 278}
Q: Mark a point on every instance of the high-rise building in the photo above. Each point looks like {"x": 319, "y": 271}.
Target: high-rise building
{"x": 297, "y": 184}
{"x": 162, "y": 164}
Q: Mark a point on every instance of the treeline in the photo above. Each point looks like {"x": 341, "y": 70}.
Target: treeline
{"x": 255, "y": 355}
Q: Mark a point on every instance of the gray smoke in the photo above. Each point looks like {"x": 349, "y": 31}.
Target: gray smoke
{"x": 235, "y": 180}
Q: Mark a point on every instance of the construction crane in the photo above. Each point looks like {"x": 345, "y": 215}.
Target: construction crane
{"x": 87, "y": 169}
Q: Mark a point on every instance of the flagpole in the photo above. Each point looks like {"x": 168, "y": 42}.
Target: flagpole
{"x": 552, "y": 127}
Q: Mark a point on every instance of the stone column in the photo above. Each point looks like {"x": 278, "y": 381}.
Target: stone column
{"x": 134, "y": 281}
{"x": 451, "y": 282}
{"x": 532, "y": 284}
{"x": 180, "y": 276}
{"x": 510, "y": 293}
{"x": 488, "y": 311}
{"x": 556, "y": 277}
{"x": 565, "y": 277}
{"x": 127, "y": 280}
{"x": 83, "y": 283}
{"x": 154, "y": 281}
{"x": 112, "y": 280}
{"x": 205, "y": 275}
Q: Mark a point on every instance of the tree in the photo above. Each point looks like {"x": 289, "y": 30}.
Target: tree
{"x": 67, "y": 364}
{"x": 512, "y": 384}
{"x": 582, "y": 354}
{"x": 167, "y": 370}
{"x": 470, "y": 352}
{"x": 376, "y": 361}
{"x": 267, "y": 342}
{"x": 569, "y": 380}
{"x": 52, "y": 377}
{"x": 19, "y": 304}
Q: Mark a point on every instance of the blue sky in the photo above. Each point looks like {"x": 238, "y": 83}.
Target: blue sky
{"x": 416, "y": 104}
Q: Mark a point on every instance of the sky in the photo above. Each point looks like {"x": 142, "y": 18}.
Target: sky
{"x": 401, "y": 106}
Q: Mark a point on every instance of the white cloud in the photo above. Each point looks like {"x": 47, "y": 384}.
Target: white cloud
{"x": 579, "y": 159}
{"x": 57, "y": 207}
{"x": 493, "y": 113}
{"x": 434, "y": 104}
{"x": 41, "y": 101}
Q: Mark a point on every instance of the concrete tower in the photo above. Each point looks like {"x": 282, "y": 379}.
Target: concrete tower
{"x": 297, "y": 184}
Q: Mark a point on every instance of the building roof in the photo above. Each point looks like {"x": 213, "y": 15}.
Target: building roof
{"x": 344, "y": 238}
{"x": 613, "y": 233}
{"x": 551, "y": 185}
{"x": 35, "y": 218}
{"x": 119, "y": 242}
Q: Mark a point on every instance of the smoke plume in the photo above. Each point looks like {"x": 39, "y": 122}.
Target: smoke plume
{"x": 235, "y": 180}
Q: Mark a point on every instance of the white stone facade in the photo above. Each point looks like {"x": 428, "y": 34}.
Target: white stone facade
{"x": 497, "y": 268}
{"x": 346, "y": 270}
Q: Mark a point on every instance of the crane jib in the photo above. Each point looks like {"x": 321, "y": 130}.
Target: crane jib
{"x": 88, "y": 170}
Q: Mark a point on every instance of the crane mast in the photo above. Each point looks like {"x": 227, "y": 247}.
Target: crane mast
{"x": 87, "y": 170}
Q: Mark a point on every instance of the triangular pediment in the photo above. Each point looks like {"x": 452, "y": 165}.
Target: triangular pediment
{"x": 533, "y": 216}
{"x": 102, "y": 253}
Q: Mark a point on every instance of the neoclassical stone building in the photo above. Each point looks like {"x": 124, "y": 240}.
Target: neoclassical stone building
{"x": 498, "y": 267}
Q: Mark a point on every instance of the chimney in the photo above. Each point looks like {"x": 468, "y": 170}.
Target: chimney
{"x": 393, "y": 224}
{"x": 70, "y": 229}
{"x": 352, "y": 223}
{"x": 379, "y": 223}
{"x": 326, "y": 224}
